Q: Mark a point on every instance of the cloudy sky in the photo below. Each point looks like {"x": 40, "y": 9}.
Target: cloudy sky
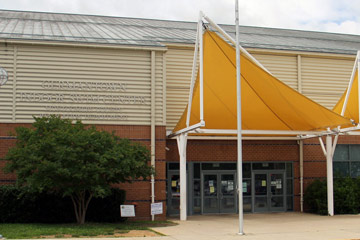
{"x": 319, "y": 15}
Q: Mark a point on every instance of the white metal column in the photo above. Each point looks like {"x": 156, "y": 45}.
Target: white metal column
{"x": 182, "y": 142}
{"x": 329, "y": 175}
{"x": 153, "y": 126}
{"x": 239, "y": 134}
{"x": 329, "y": 153}
{"x": 201, "y": 72}
{"x": 358, "y": 67}
{"x": 193, "y": 74}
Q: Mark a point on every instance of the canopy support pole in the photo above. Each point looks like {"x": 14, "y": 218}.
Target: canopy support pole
{"x": 182, "y": 142}
{"x": 356, "y": 66}
{"x": 196, "y": 53}
{"x": 201, "y": 40}
{"x": 228, "y": 37}
{"x": 239, "y": 140}
{"x": 329, "y": 175}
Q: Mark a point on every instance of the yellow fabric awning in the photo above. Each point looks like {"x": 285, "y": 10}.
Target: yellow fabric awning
{"x": 267, "y": 103}
{"x": 352, "y": 107}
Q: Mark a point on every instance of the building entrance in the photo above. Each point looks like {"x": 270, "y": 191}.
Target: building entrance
{"x": 173, "y": 193}
{"x": 219, "y": 192}
{"x": 212, "y": 187}
{"x": 269, "y": 191}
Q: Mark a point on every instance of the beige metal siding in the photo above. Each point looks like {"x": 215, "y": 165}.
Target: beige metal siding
{"x": 103, "y": 86}
{"x": 159, "y": 62}
{"x": 325, "y": 80}
{"x": 178, "y": 78}
{"x": 282, "y": 67}
{"x": 6, "y": 91}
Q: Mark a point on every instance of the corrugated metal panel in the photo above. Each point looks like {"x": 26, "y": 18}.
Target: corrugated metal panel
{"x": 96, "y": 85}
{"x": 146, "y": 32}
{"x": 159, "y": 88}
{"x": 325, "y": 80}
{"x": 6, "y": 91}
{"x": 282, "y": 67}
{"x": 178, "y": 78}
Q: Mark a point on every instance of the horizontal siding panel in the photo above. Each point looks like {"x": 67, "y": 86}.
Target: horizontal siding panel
{"x": 325, "y": 80}
{"x": 327, "y": 101}
{"x": 282, "y": 67}
{"x": 6, "y": 91}
{"x": 159, "y": 89}
{"x": 178, "y": 77}
{"x": 97, "y": 85}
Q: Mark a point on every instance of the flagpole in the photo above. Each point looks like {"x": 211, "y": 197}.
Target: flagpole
{"x": 239, "y": 137}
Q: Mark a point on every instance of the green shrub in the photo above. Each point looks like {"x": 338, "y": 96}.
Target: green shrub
{"x": 346, "y": 196}
{"x": 19, "y": 205}
{"x": 315, "y": 197}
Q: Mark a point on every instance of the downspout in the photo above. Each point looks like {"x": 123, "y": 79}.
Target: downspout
{"x": 301, "y": 152}
{"x": 152, "y": 137}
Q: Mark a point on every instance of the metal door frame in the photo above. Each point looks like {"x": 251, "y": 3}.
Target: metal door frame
{"x": 170, "y": 210}
{"x": 218, "y": 173}
{"x": 268, "y": 185}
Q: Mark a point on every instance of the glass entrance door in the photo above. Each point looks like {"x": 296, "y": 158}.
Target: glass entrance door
{"x": 219, "y": 193}
{"x": 174, "y": 194}
{"x": 277, "y": 195}
{"x": 269, "y": 191}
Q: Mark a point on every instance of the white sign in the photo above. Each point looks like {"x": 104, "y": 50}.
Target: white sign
{"x": 156, "y": 208}
{"x": 127, "y": 210}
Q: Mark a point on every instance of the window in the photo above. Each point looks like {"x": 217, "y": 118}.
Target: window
{"x": 347, "y": 160}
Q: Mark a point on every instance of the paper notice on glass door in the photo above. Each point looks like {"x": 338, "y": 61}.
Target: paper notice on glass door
{"x": 230, "y": 186}
{"x": 212, "y": 189}
{"x": 211, "y": 183}
{"x": 263, "y": 183}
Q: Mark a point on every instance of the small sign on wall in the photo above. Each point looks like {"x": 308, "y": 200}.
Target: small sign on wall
{"x": 127, "y": 211}
{"x": 156, "y": 208}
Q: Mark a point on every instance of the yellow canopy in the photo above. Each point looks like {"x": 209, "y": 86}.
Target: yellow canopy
{"x": 267, "y": 103}
{"x": 352, "y": 107}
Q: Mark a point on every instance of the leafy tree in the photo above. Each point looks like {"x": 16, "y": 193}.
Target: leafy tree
{"x": 74, "y": 160}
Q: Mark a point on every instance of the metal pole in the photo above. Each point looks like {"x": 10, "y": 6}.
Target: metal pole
{"x": 196, "y": 52}
{"x": 301, "y": 148}
{"x": 228, "y": 37}
{"x": 182, "y": 141}
{"x": 358, "y": 68}
{"x": 350, "y": 84}
{"x": 201, "y": 73}
{"x": 153, "y": 126}
{"x": 329, "y": 175}
{"x": 239, "y": 140}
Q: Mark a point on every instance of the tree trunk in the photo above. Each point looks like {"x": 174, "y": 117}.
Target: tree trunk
{"x": 81, "y": 202}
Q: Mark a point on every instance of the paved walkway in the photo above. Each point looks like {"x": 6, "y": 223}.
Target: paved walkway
{"x": 272, "y": 226}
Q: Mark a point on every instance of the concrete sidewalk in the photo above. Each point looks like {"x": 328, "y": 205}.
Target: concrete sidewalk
{"x": 270, "y": 226}
{"x": 273, "y": 226}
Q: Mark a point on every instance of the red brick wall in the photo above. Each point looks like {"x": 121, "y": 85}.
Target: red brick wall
{"x": 262, "y": 151}
{"x": 253, "y": 151}
{"x": 138, "y": 191}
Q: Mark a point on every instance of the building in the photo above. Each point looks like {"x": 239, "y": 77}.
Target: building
{"x": 132, "y": 76}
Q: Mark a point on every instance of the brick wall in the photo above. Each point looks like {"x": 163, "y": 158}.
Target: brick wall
{"x": 138, "y": 191}
{"x": 253, "y": 151}
{"x": 262, "y": 151}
